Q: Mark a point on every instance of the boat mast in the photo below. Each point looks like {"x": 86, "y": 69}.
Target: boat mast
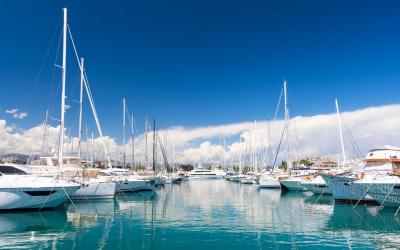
{"x": 80, "y": 108}
{"x": 123, "y": 132}
{"x": 133, "y": 141}
{"x": 254, "y": 152}
{"x": 240, "y": 154}
{"x": 154, "y": 147}
{"x": 269, "y": 144}
{"x": 288, "y": 158}
{"x": 340, "y": 131}
{"x": 224, "y": 155}
{"x": 64, "y": 66}
{"x": 173, "y": 158}
{"x": 44, "y": 131}
{"x": 91, "y": 151}
{"x": 146, "y": 142}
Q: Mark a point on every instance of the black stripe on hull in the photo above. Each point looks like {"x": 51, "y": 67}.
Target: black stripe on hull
{"x": 348, "y": 201}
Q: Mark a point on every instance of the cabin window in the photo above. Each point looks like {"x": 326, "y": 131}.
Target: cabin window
{"x": 8, "y": 170}
{"x": 371, "y": 154}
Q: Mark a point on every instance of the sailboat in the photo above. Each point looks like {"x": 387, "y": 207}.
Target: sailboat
{"x": 236, "y": 177}
{"x": 19, "y": 189}
{"x": 317, "y": 183}
{"x": 93, "y": 185}
{"x": 125, "y": 180}
{"x": 293, "y": 181}
{"x": 271, "y": 179}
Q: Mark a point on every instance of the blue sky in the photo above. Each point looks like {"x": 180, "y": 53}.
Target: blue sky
{"x": 200, "y": 63}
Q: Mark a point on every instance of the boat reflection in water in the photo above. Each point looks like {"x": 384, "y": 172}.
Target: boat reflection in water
{"x": 379, "y": 230}
{"x": 204, "y": 214}
{"x": 31, "y": 228}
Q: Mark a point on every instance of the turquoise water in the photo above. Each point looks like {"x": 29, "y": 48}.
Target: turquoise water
{"x": 209, "y": 214}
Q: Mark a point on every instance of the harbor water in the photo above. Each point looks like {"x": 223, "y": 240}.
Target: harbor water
{"x": 204, "y": 214}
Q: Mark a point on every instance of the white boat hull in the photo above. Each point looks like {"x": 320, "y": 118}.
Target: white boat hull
{"x": 247, "y": 181}
{"x": 386, "y": 194}
{"x": 31, "y": 192}
{"x": 293, "y": 184}
{"x": 344, "y": 190}
{"x": 194, "y": 177}
{"x": 269, "y": 182}
{"x": 134, "y": 185}
{"x": 317, "y": 185}
{"x": 95, "y": 190}
{"x": 317, "y": 188}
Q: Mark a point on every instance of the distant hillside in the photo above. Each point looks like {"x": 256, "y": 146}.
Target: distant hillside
{"x": 15, "y": 158}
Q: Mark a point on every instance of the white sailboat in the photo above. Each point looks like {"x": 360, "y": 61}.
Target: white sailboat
{"x": 293, "y": 181}
{"x": 93, "y": 186}
{"x": 125, "y": 180}
{"x": 272, "y": 179}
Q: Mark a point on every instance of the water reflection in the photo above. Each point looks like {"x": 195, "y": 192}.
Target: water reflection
{"x": 203, "y": 214}
{"x": 17, "y": 230}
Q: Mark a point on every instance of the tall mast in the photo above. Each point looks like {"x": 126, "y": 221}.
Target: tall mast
{"x": 80, "y": 108}
{"x": 254, "y": 148}
{"x": 96, "y": 119}
{"x": 146, "y": 153}
{"x": 44, "y": 131}
{"x": 240, "y": 154}
{"x": 340, "y": 131}
{"x": 173, "y": 158}
{"x": 269, "y": 144}
{"x": 288, "y": 158}
{"x": 123, "y": 132}
{"x": 64, "y": 67}
{"x": 87, "y": 143}
{"x": 91, "y": 151}
{"x": 154, "y": 147}
{"x": 224, "y": 156}
{"x": 133, "y": 140}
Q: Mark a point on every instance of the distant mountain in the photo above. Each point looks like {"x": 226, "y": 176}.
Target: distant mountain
{"x": 15, "y": 157}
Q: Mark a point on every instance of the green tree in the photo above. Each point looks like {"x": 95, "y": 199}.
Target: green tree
{"x": 246, "y": 169}
{"x": 186, "y": 167}
{"x": 283, "y": 166}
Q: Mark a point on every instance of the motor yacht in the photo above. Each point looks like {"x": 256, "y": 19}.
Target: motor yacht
{"x": 202, "y": 173}
{"x": 21, "y": 190}
{"x": 348, "y": 185}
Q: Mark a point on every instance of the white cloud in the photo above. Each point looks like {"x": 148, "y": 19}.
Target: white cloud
{"x": 309, "y": 136}
{"x": 20, "y": 116}
{"x": 11, "y": 111}
{"x": 17, "y": 115}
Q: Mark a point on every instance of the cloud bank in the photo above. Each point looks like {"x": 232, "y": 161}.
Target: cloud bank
{"x": 15, "y": 114}
{"x": 248, "y": 142}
